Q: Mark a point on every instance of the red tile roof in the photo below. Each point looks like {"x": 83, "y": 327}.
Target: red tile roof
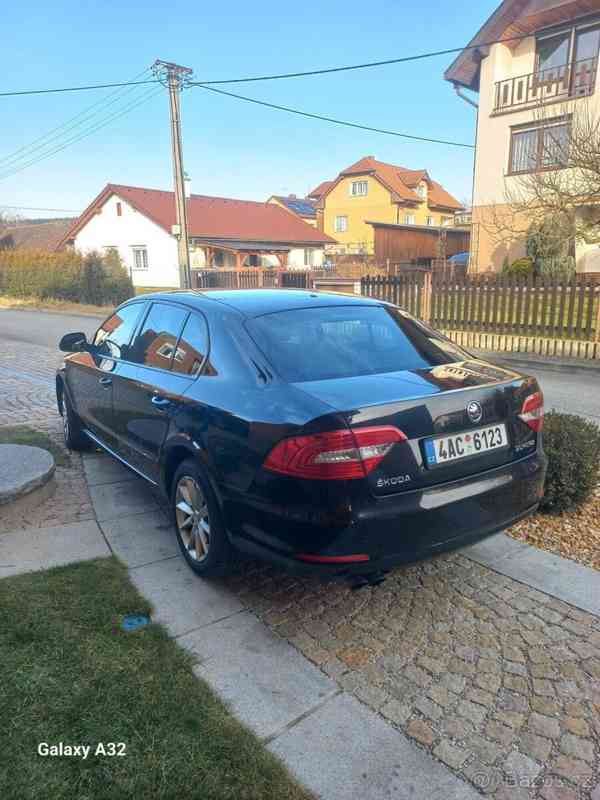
{"x": 320, "y": 190}
{"x": 212, "y": 217}
{"x": 400, "y": 181}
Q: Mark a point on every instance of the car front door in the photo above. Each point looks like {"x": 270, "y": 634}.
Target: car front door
{"x": 90, "y": 373}
{"x": 146, "y": 392}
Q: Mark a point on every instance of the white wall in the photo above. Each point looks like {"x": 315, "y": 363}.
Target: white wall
{"x": 296, "y": 258}
{"x": 131, "y": 229}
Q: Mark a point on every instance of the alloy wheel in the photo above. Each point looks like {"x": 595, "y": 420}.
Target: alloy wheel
{"x": 192, "y": 517}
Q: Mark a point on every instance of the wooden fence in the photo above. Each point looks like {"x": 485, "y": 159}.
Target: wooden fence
{"x": 550, "y": 308}
{"x": 257, "y": 278}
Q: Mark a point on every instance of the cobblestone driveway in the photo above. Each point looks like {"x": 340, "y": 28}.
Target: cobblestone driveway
{"x": 27, "y": 397}
{"x": 497, "y": 680}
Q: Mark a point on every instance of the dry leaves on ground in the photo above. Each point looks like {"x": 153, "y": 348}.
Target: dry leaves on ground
{"x": 574, "y": 535}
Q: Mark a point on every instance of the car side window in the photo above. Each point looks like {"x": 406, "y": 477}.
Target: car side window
{"x": 155, "y": 342}
{"x": 193, "y": 346}
{"x": 113, "y": 336}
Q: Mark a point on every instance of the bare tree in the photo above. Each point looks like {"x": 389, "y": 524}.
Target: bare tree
{"x": 561, "y": 193}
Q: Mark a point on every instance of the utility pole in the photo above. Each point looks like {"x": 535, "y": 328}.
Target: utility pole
{"x": 173, "y": 76}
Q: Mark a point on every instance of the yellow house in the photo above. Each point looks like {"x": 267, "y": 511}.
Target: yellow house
{"x": 533, "y": 64}
{"x": 373, "y": 191}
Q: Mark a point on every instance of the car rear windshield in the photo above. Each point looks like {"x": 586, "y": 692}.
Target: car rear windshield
{"x": 345, "y": 341}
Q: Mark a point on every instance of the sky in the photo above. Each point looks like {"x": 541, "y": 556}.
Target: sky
{"x": 231, "y": 148}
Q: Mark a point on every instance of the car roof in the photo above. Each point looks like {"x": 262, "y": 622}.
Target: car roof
{"x": 255, "y": 302}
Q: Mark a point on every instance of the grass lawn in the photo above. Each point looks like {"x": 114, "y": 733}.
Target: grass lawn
{"x": 23, "y": 434}
{"x": 69, "y": 673}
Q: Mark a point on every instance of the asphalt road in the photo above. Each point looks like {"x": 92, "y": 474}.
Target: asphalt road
{"x": 575, "y": 390}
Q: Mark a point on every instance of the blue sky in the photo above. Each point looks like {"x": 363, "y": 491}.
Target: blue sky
{"x": 231, "y": 148}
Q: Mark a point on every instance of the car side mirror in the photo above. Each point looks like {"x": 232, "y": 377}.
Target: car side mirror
{"x": 73, "y": 342}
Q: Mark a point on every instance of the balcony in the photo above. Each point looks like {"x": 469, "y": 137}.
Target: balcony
{"x": 546, "y": 86}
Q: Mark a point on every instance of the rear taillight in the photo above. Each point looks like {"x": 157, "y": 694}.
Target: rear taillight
{"x": 335, "y": 455}
{"x": 532, "y": 412}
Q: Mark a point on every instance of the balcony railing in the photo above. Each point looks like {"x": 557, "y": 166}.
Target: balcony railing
{"x": 547, "y": 85}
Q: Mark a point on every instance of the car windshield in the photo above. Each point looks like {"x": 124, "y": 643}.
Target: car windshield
{"x": 346, "y": 341}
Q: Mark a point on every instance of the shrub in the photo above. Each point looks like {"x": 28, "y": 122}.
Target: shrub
{"x": 520, "y": 268}
{"x": 65, "y": 275}
{"x": 572, "y": 445}
{"x": 550, "y": 245}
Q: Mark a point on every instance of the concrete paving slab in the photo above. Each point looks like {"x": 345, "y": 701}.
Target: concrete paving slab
{"x": 42, "y": 548}
{"x": 344, "y": 751}
{"x": 267, "y": 682}
{"x": 566, "y": 580}
{"x": 116, "y": 500}
{"x": 141, "y": 538}
{"x": 102, "y": 469}
{"x": 495, "y": 548}
{"x": 182, "y": 600}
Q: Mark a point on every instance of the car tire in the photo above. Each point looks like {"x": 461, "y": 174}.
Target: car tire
{"x": 198, "y": 524}
{"x": 75, "y": 438}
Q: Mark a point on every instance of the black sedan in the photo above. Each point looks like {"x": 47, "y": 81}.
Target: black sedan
{"x": 321, "y": 432}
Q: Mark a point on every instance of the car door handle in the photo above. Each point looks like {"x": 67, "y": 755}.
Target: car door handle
{"x": 105, "y": 381}
{"x": 160, "y": 402}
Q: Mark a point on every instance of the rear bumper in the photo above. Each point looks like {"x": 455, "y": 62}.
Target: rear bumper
{"x": 393, "y": 529}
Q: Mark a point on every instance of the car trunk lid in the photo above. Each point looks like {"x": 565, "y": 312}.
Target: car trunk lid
{"x": 429, "y": 403}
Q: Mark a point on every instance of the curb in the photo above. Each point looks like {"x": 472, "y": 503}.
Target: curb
{"x": 528, "y": 360}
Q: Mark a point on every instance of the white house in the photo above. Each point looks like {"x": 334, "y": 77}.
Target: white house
{"x": 223, "y": 232}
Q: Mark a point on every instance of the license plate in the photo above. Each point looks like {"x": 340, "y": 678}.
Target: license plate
{"x": 463, "y": 445}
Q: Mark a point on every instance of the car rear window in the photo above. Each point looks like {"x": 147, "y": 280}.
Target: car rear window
{"x": 346, "y": 341}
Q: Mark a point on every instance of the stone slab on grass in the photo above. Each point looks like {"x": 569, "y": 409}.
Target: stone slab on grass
{"x": 549, "y": 573}
{"x": 42, "y": 548}
{"x": 344, "y": 751}
{"x": 141, "y": 538}
{"x": 266, "y": 682}
{"x": 182, "y": 600}
{"x": 22, "y": 470}
{"x": 116, "y": 500}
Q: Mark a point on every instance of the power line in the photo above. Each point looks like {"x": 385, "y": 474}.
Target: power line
{"x": 88, "y": 132}
{"x": 75, "y": 88}
{"x": 326, "y": 71}
{"x": 332, "y": 119}
{"x": 69, "y": 124}
{"x": 367, "y": 65}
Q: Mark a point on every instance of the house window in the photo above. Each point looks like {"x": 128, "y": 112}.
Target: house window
{"x": 429, "y": 220}
{"x": 576, "y": 48}
{"x": 359, "y": 188}
{"x": 538, "y": 147}
{"x": 409, "y": 219}
{"x": 341, "y": 224}
{"x": 140, "y": 258}
{"x": 309, "y": 256}
{"x": 552, "y": 53}
{"x": 447, "y": 221}
{"x": 119, "y": 210}
{"x": 422, "y": 191}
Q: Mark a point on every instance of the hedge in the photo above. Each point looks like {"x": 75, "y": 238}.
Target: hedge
{"x": 572, "y": 445}
{"x": 65, "y": 275}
